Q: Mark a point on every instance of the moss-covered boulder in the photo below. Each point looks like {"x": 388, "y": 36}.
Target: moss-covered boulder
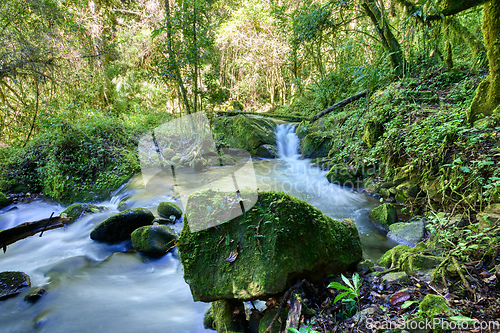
{"x": 118, "y": 227}
{"x": 245, "y": 132}
{"x": 167, "y": 209}
{"x": 393, "y": 256}
{"x": 12, "y": 283}
{"x": 410, "y": 259}
{"x": 384, "y": 215}
{"x": 4, "y": 201}
{"x": 267, "y": 151}
{"x": 372, "y": 132}
{"x": 78, "y": 210}
{"x": 433, "y": 305}
{"x": 316, "y": 145}
{"x": 260, "y": 253}
{"x": 228, "y": 316}
{"x": 406, "y": 191}
{"x": 418, "y": 262}
{"x": 407, "y": 233}
{"x": 155, "y": 240}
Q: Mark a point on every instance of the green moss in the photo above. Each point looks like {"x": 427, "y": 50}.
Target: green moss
{"x": 416, "y": 261}
{"x": 118, "y": 227}
{"x": 4, "y": 201}
{"x": 209, "y": 320}
{"x": 384, "y": 215}
{"x": 268, "y": 260}
{"x": 153, "y": 239}
{"x": 393, "y": 256}
{"x": 79, "y": 163}
{"x": 78, "y": 210}
{"x": 316, "y": 145}
{"x": 167, "y": 209}
{"x": 168, "y": 153}
{"x": 229, "y": 316}
{"x": 244, "y": 132}
{"x": 372, "y": 132}
{"x": 433, "y": 305}
{"x": 344, "y": 175}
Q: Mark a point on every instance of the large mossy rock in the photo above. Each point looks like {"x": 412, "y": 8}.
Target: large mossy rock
{"x": 155, "y": 240}
{"x": 316, "y": 145}
{"x": 118, "y": 227}
{"x": 167, "y": 209}
{"x": 384, "y": 215}
{"x": 4, "y": 201}
{"x": 245, "y": 132}
{"x": 78, "y": 210}
{"x": 279, "y": 240}
{"x": 407, "y": 233}
{"x": 12, "y": 283}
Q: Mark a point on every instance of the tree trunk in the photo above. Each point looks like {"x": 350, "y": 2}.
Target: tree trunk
{"x": 475, "y": 45}
{"x": 389, "y": 42}
{"x": 173, "y": 58}
{"x": 487, "y": 99}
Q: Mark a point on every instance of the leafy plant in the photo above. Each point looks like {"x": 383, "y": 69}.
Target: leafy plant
{"x": 352, "y": 290}
{"x": 303, "y": 329}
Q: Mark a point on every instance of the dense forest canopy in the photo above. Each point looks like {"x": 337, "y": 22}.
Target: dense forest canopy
{"x": 118, "y": 57}
{"x": 119, "y": 60}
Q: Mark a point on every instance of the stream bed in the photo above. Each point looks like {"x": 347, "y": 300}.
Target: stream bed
{"x": 95, "y": 287}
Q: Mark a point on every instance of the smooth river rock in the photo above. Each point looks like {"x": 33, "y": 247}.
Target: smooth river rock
{"x": 155, "y": 240}
{"x": 12, "y": 283}
{"x": 118, "y": 227}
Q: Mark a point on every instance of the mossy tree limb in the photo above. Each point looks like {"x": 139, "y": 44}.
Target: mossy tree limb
{"x": 476, "y": 46}
{"x": 387, "y": 38}
{"x": 487, "y": 99}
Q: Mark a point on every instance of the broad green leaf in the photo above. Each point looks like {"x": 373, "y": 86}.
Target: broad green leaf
{"x": 355, "y": 280}
{"x": 346, "y": 281}
{"x": 465, "y": 169}
{"x": 340, "y": 296}
{"x": 407, "y": 304}
{"x": 338, "y": 286}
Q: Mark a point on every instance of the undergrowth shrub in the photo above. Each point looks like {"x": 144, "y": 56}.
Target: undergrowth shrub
{"x": 79, "y": 160}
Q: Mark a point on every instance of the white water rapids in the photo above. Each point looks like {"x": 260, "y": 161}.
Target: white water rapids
{"x": 95, "y": 287}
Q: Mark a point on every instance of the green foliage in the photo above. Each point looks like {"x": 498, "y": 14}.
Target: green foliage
{"x": 350, "y": 295}
{"x": 470, "y": 242}
{"x": 351, "y": 289}
{"x": 303, "y": 329}
{"x": 82, "y": 160}
{"x": 183, "y": 46}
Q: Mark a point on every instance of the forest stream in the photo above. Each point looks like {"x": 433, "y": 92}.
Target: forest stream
{"x": 95, "y": 287}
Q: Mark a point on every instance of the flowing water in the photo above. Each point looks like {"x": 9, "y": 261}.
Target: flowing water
{"x": 94, "y": 287}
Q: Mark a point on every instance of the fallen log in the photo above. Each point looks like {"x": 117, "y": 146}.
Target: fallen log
{"x": 261, "y": 114}
{"x": 338, "y": 105}
{"x": 28, "y": 229}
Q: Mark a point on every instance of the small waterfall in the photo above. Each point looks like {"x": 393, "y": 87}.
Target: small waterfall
{"x": 287, "y": 142}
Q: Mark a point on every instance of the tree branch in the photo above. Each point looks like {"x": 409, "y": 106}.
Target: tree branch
{"x": 339, "y": 105}
{"x": 28, "y": 229}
